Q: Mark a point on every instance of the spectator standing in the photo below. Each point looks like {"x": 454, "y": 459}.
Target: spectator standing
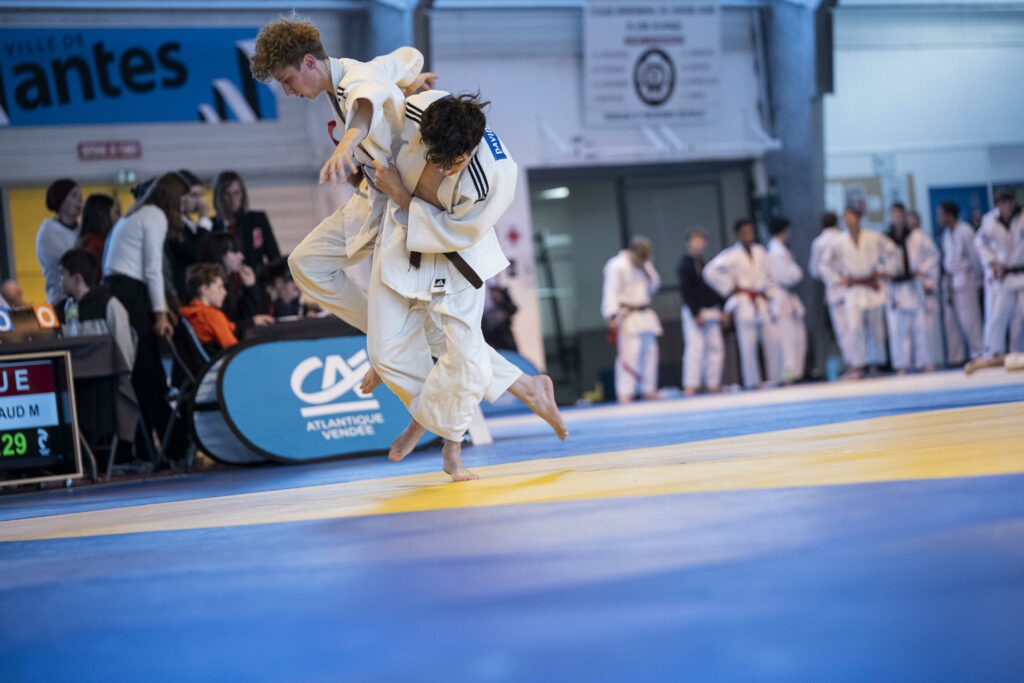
{"x": 133, "y": 269}
{"x": 251, "y": 228}
{"x": 703, "y": 346}
{"x": 100, "y": 214}
{"x": 58, "y": 233}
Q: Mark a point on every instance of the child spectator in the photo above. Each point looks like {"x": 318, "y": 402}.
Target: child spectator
{"x": 277, "y": 281}
{"x": 99, "y": 311}
{"x": 205, "y": 283}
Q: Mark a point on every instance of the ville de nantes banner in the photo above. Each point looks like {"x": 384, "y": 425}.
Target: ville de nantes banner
{"x": 651, "y": 62}
{"x": 52, "y": 77}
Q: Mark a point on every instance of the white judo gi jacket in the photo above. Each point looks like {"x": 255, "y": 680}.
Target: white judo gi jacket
{"x": 993, "y": 242}
{"x": 1008, "y": 303}
{"x": 868, "y": 257}
{"x": 742, "y": 279}
{"x": 626, "y": 293}
{"x": 785, "y": 274}
{"x": 960, "y": 258}
{"x": 905, "y": 290}
{"x": 379, "y": 82}
{"x": 821, "y": 249}
{"x": 465, "y": 225}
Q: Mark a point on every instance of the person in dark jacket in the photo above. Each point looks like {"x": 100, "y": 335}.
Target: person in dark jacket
{"x": 703, "y": 348}
{"x": 251, "y": 228}
{"x": 246, "y": 303}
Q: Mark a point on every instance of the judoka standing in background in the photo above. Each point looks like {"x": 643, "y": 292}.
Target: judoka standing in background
{"x": 703, "y": 347}
{"x": 857, "y": 263}
{"x": 995, "y": 242}
{"x": 740, "y": 274}
{"x": 914, "y": 270}
{"x": 786, "y": 366}
{"x": 835, "y": 297}
{"x": 629, "y": 281}
{"x": 1008, "y": 307}
{"x": 960, "y": 260}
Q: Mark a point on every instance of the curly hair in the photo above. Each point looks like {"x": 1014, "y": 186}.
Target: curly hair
{"x": 284, "y": 42}
{"x": 451, "y": 127}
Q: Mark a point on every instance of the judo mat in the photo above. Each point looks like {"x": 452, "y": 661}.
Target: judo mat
{"x": 842, "y": 532}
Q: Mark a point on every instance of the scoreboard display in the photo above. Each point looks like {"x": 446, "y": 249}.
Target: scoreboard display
{"x": 38, "y": 427}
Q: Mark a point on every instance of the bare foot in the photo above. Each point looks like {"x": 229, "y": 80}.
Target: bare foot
{"x": 538, "y": 393}
{"x": 979, "y": 363}
{"x": 453, "y": 466}
{"x": 405, "y": 442}
{"x": 371, "y": 380}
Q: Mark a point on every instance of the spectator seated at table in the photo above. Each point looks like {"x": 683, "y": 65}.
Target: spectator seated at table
{"x": 205, "y": 283}
{"x": 11, "y": 296}
{"x": 99, "y": 311}
{"x": 284, "y": 294}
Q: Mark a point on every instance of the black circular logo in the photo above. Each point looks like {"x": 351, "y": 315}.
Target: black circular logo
{"x": 654, "y": 77}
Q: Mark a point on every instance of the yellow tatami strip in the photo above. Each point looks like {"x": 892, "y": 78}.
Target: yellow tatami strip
{"x": 963, "y": 442}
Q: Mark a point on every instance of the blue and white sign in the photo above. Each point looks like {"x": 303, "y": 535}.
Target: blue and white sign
{"x": 299, "y": 399}
{"x": 53, "y": 77}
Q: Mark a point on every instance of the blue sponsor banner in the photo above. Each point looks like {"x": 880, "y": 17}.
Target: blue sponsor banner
{"x": 51, "y": 77}
{"x": 299, "y": 399}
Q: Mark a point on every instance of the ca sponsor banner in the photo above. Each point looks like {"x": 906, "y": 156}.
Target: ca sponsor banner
{"x": 651, "y": 62}
{"x": 300, "y": 400}
{"x": 52, "y": 77}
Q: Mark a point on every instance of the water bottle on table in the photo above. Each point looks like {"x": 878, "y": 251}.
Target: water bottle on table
{"x": 71, "y": 324}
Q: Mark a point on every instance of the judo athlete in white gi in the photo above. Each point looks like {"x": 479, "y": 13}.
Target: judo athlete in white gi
{"x": 960, "y": 260}
{"x": 835, "y": 297}
{"x": 740, "y": 275}
{"x": 1009, "y": 301}
{"x": 368, "y": 100}
{"x": 995, "y": 242}
{"x": 787, "y": 365}
{"x": 703, "y": 346}
{"x": 914, "y": 275}
{"x": 857, "y": 265}
{"x": 629, "y": 281}
{"x": 453, "y": 178}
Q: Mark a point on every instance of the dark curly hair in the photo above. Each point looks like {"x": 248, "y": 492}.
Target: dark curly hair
{"x": 284, "y": 42}
{"x": 451, "y": 127}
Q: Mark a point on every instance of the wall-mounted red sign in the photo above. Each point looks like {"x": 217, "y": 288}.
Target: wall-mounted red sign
{"x": 102, "y": 150}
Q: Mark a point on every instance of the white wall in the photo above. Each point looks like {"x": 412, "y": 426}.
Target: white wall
{"x": 936, "y": 86}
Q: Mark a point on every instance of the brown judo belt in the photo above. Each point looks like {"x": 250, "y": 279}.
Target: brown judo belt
{"x": 415, "y": 258}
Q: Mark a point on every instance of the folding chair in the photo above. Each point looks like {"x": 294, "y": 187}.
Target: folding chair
{"x": 189, "y": 357}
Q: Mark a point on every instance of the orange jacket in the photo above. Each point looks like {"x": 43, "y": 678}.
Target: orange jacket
{"x": 210, "y": 324}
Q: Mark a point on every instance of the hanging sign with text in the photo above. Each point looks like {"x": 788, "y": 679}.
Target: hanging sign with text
{"x": 651, "y": 62}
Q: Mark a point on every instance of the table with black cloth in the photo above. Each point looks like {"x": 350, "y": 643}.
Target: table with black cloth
{"x": 104, "y": 399}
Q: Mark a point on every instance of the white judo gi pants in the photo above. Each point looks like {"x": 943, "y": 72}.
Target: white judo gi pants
{"x": 636, "y": 364}
{"x": 867, "y": 336}
{"x": 786, "y": 364}
{"x": 318, "y": 264}
{"x": 1007, "y": 314}
{"x": 840, "y": 328}
{"x": 967, "y": 312}
{"x": 910, "y": 343}
{"x": 956, "y": 351}
{"x": 703, "y": 352}
{"x": 748, "y": 334}
{"x": 441, "y": 396}
{"x": 1004, "y": 311}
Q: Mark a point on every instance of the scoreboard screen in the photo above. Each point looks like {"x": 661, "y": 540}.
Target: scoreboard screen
{"x": 37, "y": 419}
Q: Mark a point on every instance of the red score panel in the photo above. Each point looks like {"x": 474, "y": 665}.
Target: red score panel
{"x": 20, "y": 379}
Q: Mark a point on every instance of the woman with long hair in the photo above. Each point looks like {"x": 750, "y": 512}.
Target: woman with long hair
{"x": 133, "y": 269}
{"x": 246, "y": 303}
{"x": 251, "y": 228}
{"x": 98, "y": 217}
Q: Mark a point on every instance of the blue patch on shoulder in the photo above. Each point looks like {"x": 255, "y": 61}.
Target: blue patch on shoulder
{"x": 492, "y": 140}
